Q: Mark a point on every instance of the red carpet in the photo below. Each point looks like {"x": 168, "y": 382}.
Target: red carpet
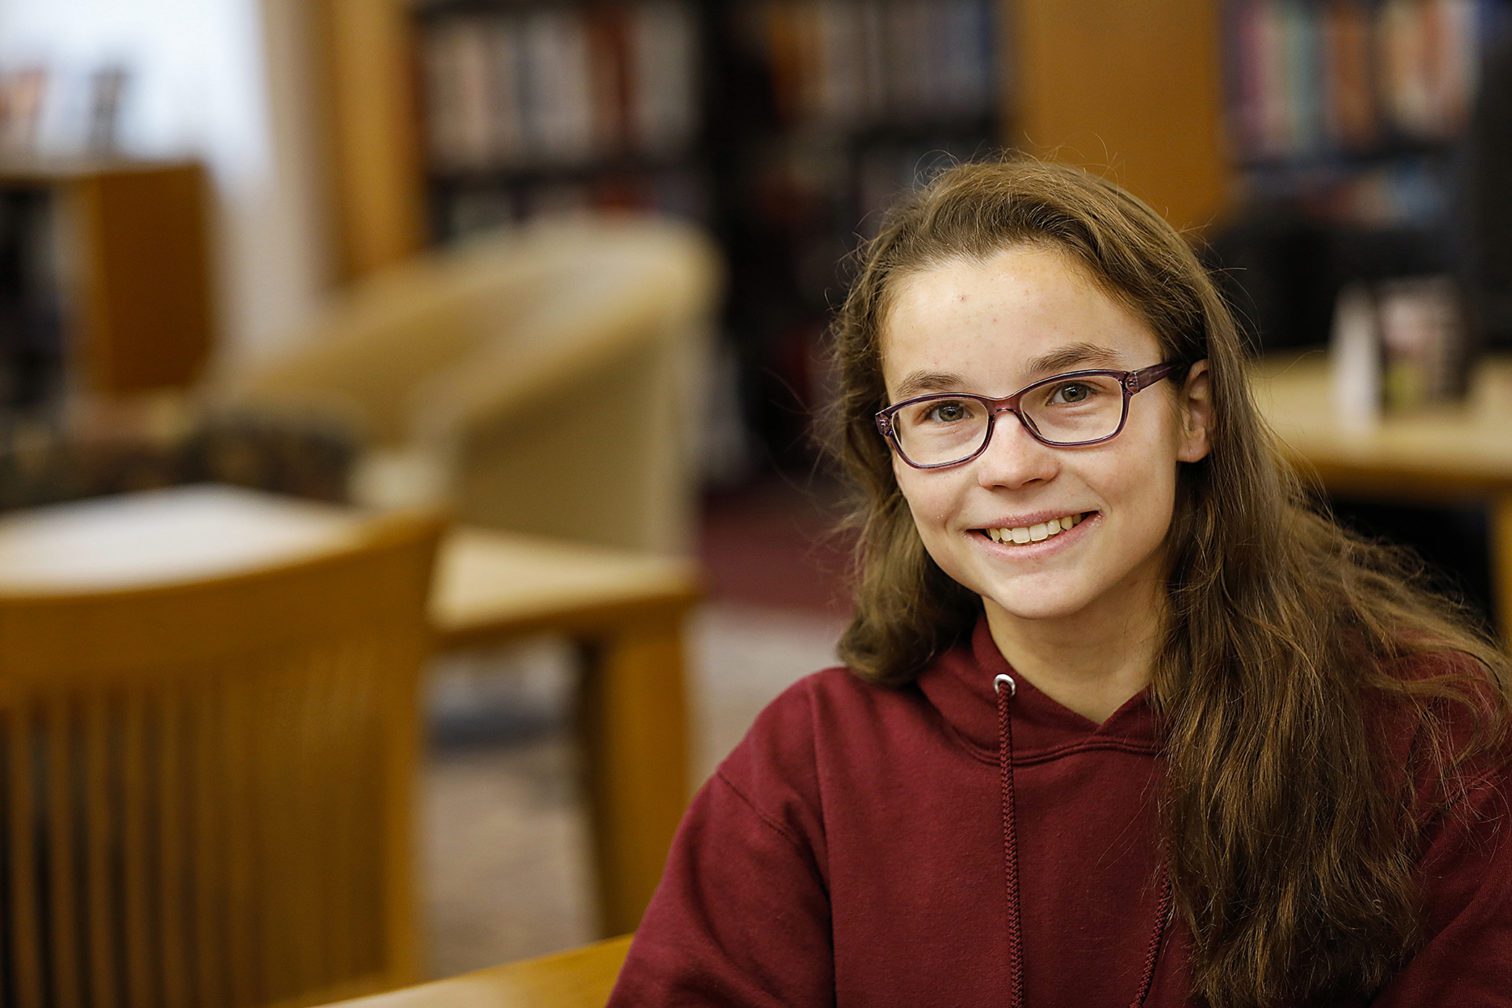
{"x": 772, "y": 545}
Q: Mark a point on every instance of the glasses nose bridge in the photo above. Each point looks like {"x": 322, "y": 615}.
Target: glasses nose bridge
{"x": 1008, "y": 404}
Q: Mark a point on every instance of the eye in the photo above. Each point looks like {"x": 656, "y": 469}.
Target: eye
{"x": 1071, "y": 393}
{"x": 948, "y": 411}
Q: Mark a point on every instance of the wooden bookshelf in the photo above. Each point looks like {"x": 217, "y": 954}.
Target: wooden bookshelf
{"x": 826, "y": 110}
{"x": 532, "y": 106}
{"x": 133, "y": 306}
{"x": 1353, "y": 109}
{"x": 1076, "y": 87}
{"x": 1345, "y": 121}
{"x": 792, "y": 122}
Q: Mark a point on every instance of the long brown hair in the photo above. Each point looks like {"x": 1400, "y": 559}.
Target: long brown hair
{"x": 1289, "y": 833}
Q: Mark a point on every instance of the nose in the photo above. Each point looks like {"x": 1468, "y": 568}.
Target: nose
{"x": 1014, "y": 457}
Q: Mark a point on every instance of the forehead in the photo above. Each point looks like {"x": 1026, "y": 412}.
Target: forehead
{"x": 989, "y": 320}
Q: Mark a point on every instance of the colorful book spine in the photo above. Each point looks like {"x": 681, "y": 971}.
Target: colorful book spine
{"x": 1320, "y": 79}
{"x": 859, "y": 64}
{"x": 553, "y": 87}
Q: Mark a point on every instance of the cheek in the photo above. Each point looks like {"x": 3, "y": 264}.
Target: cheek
{"x": 905, "y": 479}
{"x": 1140, "y": 480}
{"x": 1156, "y": 497}
{"x": 926, "y": 498}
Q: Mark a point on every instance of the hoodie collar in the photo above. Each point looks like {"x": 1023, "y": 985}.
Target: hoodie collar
{"x": 959, "y": 685}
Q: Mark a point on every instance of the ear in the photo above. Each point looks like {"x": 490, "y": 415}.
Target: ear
{"x": 1196, "y": 411}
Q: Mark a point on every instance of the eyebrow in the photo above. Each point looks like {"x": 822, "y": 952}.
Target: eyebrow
{"x": 1073, "y": 356}
{"x": 922, "y": 382}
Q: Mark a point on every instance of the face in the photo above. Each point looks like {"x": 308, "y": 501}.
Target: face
{"x": 992, "y": 327}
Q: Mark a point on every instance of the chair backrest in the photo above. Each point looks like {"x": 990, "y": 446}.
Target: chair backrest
{"x": 546, "y": 379}
{"x": 502, "y": 298}
{"x": 207, "y": 786}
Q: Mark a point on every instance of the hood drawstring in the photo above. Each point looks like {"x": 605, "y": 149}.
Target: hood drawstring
{"x": 1005, "y": 689}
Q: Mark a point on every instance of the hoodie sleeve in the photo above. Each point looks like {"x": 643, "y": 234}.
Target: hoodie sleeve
{"x": 1466, "y": 873}
{"x": 742, "y": 916}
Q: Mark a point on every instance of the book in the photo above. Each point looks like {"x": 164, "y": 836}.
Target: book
{"x": 664, "y": 75}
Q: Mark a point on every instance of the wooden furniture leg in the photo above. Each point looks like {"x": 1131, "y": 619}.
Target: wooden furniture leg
{"x": 1501, "y": 564}
{"x": 633, "y": 720}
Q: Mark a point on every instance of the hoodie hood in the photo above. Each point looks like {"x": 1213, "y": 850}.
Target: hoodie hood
{"x": 959, "y": 687}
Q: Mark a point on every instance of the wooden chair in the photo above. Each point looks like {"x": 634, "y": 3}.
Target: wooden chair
{"x": 206, "y": 787}
{"x": 576, "y": 978}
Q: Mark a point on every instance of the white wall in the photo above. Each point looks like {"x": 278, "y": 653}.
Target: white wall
{"x": 221, "y": 80}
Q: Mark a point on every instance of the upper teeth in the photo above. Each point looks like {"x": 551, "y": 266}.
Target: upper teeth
{"x": 1034, "y": 533}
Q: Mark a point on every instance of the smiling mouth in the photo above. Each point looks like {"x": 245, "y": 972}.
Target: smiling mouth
{"x": 1034, "y": 533}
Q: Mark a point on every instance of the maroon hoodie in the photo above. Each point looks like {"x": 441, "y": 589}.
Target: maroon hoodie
{"x": 857, "y": 849}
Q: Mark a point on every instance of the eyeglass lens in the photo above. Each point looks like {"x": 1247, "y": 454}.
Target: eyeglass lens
{"x": 950, "y": 428}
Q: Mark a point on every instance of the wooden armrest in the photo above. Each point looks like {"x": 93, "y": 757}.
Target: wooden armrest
{"x": 577, "y": 978}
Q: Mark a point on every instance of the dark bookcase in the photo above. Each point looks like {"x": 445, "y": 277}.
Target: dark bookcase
{"x": 528, "y": 107}
{"x": 782, "y": 125}
{"x": 105, "y": 287}
{"x": 1346, "y": 122}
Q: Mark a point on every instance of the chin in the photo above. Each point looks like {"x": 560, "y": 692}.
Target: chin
{"x": 1038, "y": 610}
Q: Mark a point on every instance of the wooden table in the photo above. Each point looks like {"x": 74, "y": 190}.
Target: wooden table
{"x": 627, "y": 612}
{"x": 1454, "y": 453}
{"x": 576, "y": 978}
{"x": 625, "y": 609}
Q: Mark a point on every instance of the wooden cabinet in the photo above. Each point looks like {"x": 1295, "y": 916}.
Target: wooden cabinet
{"x": 130, "y": 305}
{"x": 1130, "y": 90}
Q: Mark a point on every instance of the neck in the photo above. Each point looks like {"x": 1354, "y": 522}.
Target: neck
{"x": 1088, "y": 663}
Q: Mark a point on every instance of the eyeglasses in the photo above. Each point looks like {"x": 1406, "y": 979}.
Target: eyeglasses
{"x": 1064, "y": 411}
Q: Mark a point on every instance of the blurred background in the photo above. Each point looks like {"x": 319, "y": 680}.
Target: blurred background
{"x": 366, "y": 251}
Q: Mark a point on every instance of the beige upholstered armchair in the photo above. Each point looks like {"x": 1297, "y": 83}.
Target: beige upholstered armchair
{"x": 545, "y": 379}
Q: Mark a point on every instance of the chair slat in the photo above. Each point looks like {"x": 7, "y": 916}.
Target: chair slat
{"x": 101, "y": 828}
{"x": 136, "y": 852}
{"x": 239, "y": 847}
{"x": 24, "y": 869}
{"x": 169, "y": 790}
{"x": 368, "y": 890}
{"x": 207, "y": 859}
{"x": 342, "y": 875}
{"x": 395, "y": 803}
{"x": 62, "y": 833}
{"x": 276, "y": 780}
{"x": 7, "y": 814}
{"x": 311, "y": 856}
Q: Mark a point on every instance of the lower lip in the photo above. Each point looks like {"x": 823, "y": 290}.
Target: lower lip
{"x": 1050, "y": 544}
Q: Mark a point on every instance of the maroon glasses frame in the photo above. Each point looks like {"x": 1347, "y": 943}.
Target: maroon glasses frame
{"x": 1131, "y": 382}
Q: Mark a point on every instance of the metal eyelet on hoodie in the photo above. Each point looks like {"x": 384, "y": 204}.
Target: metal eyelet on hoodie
{"x": 1003, "y": 679}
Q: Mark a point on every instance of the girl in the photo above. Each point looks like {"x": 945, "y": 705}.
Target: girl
{"x": 1125, "y": 721}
